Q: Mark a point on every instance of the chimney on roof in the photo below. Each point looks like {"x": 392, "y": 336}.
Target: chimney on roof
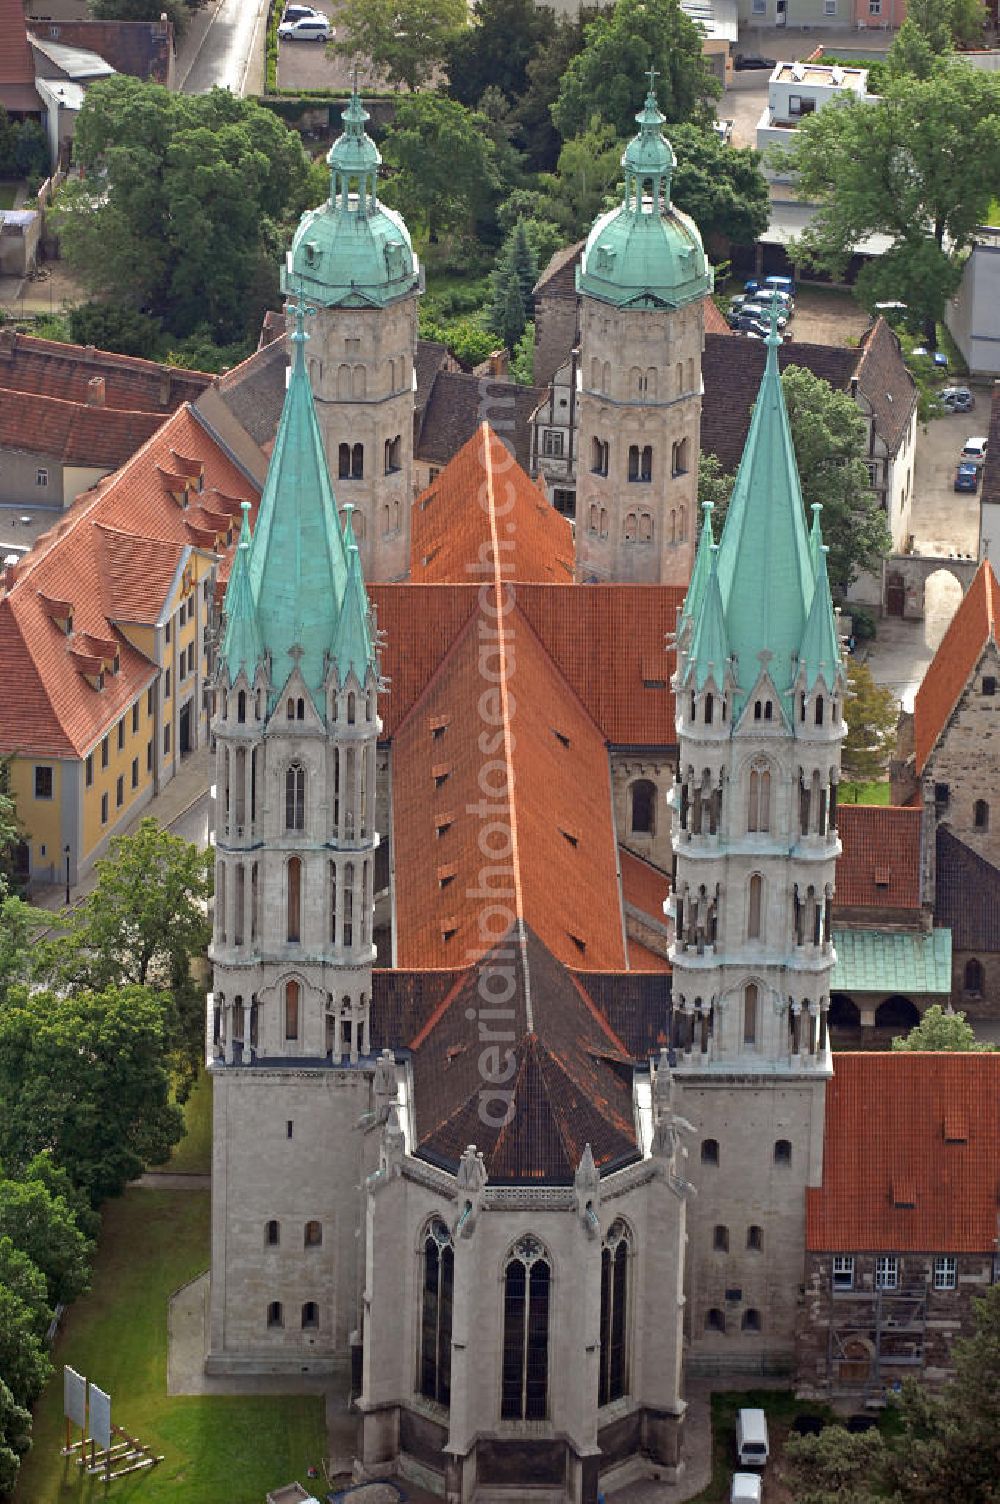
{"x": 89, "y": 352}
{"x": 499, "y": 364}
{"x": 95, "y": 391}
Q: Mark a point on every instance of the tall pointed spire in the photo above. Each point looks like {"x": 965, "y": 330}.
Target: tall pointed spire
{"x": 766, "y": 571}
{"x": 241, "y": 644}
{"x": 354, "y": 646}
{"x": 820, "y": 652}
{"x": 702, "y": 565}
{"x": 298, "y": 565}
{"x": 709, "y": 655}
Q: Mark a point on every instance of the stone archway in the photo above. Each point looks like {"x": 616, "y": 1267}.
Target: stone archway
{"x": 905, "y": 578}
{"x": 844, "y": 1012}
{"x": 897, "y": 1012}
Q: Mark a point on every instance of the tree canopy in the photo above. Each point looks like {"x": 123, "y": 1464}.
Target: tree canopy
{"x": 15, "y": 1438}
{"x": 721, "y": 187}
{"x": 442, "y": 164}
{"x": 920, "y": 165}
{"x": 403, "y": 39}
{"x": 871, "y": 713}
{"x": 43, "y": 1227}
{"x": 609, "y": 78}
{"x": 495, "y": 49}
{"x": 938, "y": 1030}
{"x": 181, "y": 203}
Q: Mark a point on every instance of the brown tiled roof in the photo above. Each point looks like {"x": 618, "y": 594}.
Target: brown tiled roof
{"x": 991, "y": 469}
{"x": 929, "y": 1123}
{"x": 54, "y": 369}
{"x": 71, "y": 431}
{"x": 459, "y": 402}
{"x": 732, "y": 370}
{"x": 570, "y": 1075}
{"x": 254, "y": 391}
{"x": 643, "y": 886}
{"x": 879, "y": 867}
{"x": 970, "y": 629}
{"x": 637, "y": 1007}
{"x": 455, "y": 521}
{"x": 16, "y": 66}
{"x": 558, "y": 280}
{"x": 111, "y": 557}
{"x": 404, "y": 1001}
{"x": 966, "y": 895}
{"x": 886, "y": 383}
{"x": 431, "y": 357}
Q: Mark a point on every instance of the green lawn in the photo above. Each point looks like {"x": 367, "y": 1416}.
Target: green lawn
{"x": 781, "y": 1407}
{"x": 216, "y": 1450}
{"x": 861, "y": 793}
{"x": 8, "y": 192}
{"x": 193, "y": 1155}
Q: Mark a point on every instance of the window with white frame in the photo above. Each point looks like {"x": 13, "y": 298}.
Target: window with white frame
{"x": 945, "y": 1273}
{"x": 552, "y": 443}
{"x": 843, "y": 1271}
{"x": 829, "y": 7}
{"x": 760, "y": 7}
{"x": 886, "y": 1272}
{"x": 874, "y": 7}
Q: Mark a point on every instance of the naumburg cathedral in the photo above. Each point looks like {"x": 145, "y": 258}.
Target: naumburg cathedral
{"x": 484, "y": 1151}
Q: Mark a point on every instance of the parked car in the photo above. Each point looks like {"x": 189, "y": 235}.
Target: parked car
{"x": 746, "y": 1488}
{"x": 781, "y": 284}
{"x": 974, "y": 450}
{"x": 967, "y": 477}
{"x": 744, "y": 322}
{"x": 762, "y": 312}
{"x": 957, "y": 399}
{"x": 766, "y": 296}
{"x": 745, "y": 60}
{"x": 306, "y": 29}
{"x": 300, "y": 13}
{"x": 938, "y": 356}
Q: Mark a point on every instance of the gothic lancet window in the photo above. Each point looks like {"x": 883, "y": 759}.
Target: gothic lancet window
{"x": 759, "y": 804}
{"x": 438, "y": 1257}
{"x": 527, "y": 1288}
{"x": 295, "y": 797}
{"x": 613, "y": 1372}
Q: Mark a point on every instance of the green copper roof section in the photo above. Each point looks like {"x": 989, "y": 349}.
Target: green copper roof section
{"x": 885, "y": 961}
{"x": 765, "y": 563}
{"x": 702, "y": 566}
{"x": 820, "y": 651}
{"x": 352, "y": 251}
{"x": 242, "y": 647}
{"x": 709, "y": 655}
{"x": 298, "y": 566}
{"x": 646, "y": 253}
{"x": 815, "y": 536}
{"x": 353, "y": 647}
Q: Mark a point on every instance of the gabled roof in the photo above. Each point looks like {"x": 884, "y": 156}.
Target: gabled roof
{"x": 454, "y": 409}
{"x": 112, "y": 557}
{"x": 54, "y": 369}
{"x": 644, "y": 886}
{"x": 455, "y": 523}
{"x": 715, "y": 323}
{"x": 879, "y": 867}
{"x": 926, "y": 1122}
{"x": 73, "y": 432}
{"x": 990, "y": 491}
{"x": 966, "y": 895}
{"x": 971, "y": 628}
{"x": 254, "y": 391}
{"x": 886, "y": 383}
{"x": 558, "y": 280}
{"x": 74, "y": 62}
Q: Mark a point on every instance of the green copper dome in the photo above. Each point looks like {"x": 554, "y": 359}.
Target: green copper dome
{"x": 352, "y": 251}
{"x": 645, "y": 254}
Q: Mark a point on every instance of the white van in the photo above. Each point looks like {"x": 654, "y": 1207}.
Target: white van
{"x": 747, "y": 1488}
{"x": 751, "y": 1438}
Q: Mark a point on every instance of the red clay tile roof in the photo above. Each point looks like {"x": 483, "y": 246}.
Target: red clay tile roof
{"x": 641, "y": 958}
{"x": 472, "y": 503}
{"x": 53, "y": 369}
{"x": 112, "y": 556}
{"x": 880, "y": 864}
{"x": 16, "y": 64}
{"x": 715, "y": 323}
{"x": 888, "y": 1122}
{"x": 643, "y": 886}
{"x": 101, "y": 437}
{"x": 608, "y": 642}
{"x": 971, "y": 628}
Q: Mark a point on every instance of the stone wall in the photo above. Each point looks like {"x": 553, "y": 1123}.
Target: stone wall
{"x": 653, "y": 846}
{"x": 555, "y": 335}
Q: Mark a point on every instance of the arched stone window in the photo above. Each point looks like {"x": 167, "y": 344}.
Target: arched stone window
{"x": 629, "y": 529}
{"x": 645, "y": 527}
{"x": 782, "y": 1151}
{"x": 679, "y": 454}
{"x": 240, "y": 789}
{"x": 642, "y": 794}
{"x": 819, "y": 710}
{"x": 595, "y": 518}
{"x": 310, "y": 1315}
{"x": 972, "y": 982}
{"x": 437, "y": 1302}
{"x": 295, "y": 797}
{"x": 759, "y": 802}
{"x": 751, "y": 1320}
{"x": 312, "y": 1235}
{"x": 272, "y": 1233}
{"x": 981, "y": 815}
{"x": 600, "y": 450}
{"x": 344, "y": 461}
{"x": 755, "y": 1239}
{"x": 715, "y": 1320}
{"x": 720, "y": 1238}
{"x": 710, "y": 1151}
{"x": 358, "y": 462}
{"x": 755, "y": 898}
{"x": 604, "y": 522}
{"x": 527, "y": 1281}
{"x": 348, "y": 903}
{"x": 613, "y": 1370}
{"x": 292, "y": 994}
{"x": 294, "y": 900}
{"x": 241, "y": 707}
{"x": 275, "y": 1315}
{"x": 635, "y": 382}
{"x": 640, "y": 462}
{"x": 750, "y": 1001}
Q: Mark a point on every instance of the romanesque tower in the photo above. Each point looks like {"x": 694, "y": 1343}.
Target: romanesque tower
{"x": 759, "y": 692}
{"x": 642, "y": 279}
{"x": 352, "y": 259}
{"x": 289, "y": 1050}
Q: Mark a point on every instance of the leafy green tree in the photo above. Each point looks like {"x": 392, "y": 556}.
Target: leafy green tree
{"x": 18, "y": 1273}
{"x": 181, "y": 206}
{"x": 85, "y": 1075}
{"x": 31, "y": 152}
{"x": 44, "y": 1228}
{"x": 404, "y": 39}
{"x": 835, "y": 1467}
{"x": 533, "y": 114}
{"x": 715, "y": 485}
{"x": 609, "y": 76}
{"x": 911, "y": 52}
{"x": 721, "y": 187}
{"x": 522, "y": 366}
{"x": 588, "y": 169}
{"x": 938, "y": 1030}
{"x": 507, "y": 316}
{"x": 23, "y": 1362}
{"x": 15, "y": 1439}
{"x": 871, "y": 714}
{"x": 932, "y": 18}
{"x": 919, "y": 165}
{"x": 6, "y": 145}
{"x": 442, "y": 163}
{"x": 829, "y": 437}
{"x": 969, "y": 20}
{"x": 495, "y": 49}
{"x": 112, "y": 326}
{"x": 176, "y": 11}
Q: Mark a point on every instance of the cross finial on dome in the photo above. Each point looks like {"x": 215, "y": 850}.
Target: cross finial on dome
{"x": 652, "y": 74}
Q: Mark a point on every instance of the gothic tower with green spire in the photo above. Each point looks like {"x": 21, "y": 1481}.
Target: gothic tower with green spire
{"x": 289, "y": 1048}
{"x": 353, "y": 260}
{"x": 759, "y": 692}
{"x": 642, "y": 279}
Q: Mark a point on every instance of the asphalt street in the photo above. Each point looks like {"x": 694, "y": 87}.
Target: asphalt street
{"x": 224, "y": 48}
